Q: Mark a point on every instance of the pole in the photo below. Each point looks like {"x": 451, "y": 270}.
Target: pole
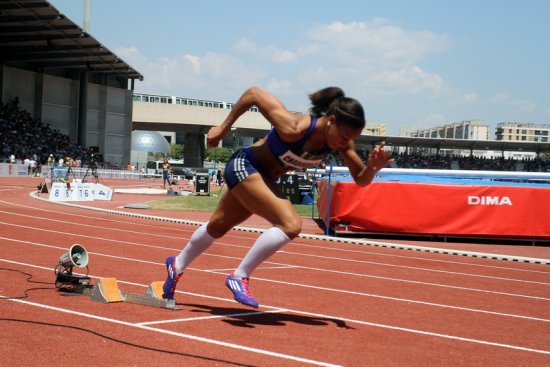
{"x": 86, "y": 25}
{"x": 329, "y": 193}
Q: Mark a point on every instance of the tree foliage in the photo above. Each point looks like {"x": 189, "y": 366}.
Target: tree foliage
{"x": 176, "y": 151}
{"x": 218, "y": 155}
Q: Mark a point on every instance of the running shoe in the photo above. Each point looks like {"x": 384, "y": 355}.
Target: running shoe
{"x": 169, "y": 286}
{"x": 241, "y": 290}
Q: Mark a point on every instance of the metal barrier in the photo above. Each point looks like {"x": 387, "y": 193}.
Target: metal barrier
{"x": 56, "y": 172}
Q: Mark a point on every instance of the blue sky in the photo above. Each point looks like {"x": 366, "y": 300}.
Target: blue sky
{"x": 412, "y": 63}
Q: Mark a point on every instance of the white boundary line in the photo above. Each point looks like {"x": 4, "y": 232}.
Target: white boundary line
{"x": 406, "y": 300}
{"x": 177, "y": 334}
{"x": 260, "y": 351}
{"x": 299, "y": 244}
{"x": 319, "y": 237}
{"x": 279, "y": 310}
{"x": 281, "y": 251}
{"x": 279, "y": 264}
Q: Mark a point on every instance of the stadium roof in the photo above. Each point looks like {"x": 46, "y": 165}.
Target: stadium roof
{"x": 35, "y": 35}
{"x": 498, "y": 145}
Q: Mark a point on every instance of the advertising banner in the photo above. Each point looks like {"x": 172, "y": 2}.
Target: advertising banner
{"x": 449, "y": 209}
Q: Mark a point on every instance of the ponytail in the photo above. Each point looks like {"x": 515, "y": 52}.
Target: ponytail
{"x": 321, "y": 100}
{"x": 332, "y": 101}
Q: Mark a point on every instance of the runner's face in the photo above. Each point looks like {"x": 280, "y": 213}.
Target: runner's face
{"x": 340, "y": 136}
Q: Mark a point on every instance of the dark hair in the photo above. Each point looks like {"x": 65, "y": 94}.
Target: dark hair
{"x": 332, "y": 101}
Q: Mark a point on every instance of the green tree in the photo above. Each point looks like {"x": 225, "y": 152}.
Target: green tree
{"x": 218, "y": 155}
{"x": 159, "y": 156}
{"x": 176, "y": 151}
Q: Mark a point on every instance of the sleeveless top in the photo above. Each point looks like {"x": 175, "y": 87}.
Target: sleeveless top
{"x": 291, "y": 155}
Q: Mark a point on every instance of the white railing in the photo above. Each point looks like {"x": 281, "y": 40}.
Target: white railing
{"x": 64, "y": 172}
{"x": 524, "y": 176}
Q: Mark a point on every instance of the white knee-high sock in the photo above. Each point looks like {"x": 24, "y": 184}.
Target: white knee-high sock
{"x": 199, "y": 242}
{"x": 266, "y": 245}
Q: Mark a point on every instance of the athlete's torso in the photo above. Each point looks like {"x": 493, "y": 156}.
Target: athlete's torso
{"x": 274, "y": 156}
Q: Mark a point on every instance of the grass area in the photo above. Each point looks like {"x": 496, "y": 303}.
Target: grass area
{"x": 208, "y": 203}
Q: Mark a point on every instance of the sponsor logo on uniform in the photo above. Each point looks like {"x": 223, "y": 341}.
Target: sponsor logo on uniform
{"x": 292, "y": 160}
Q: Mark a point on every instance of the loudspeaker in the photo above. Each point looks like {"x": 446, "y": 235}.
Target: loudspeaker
{"x": 76, "y": 256}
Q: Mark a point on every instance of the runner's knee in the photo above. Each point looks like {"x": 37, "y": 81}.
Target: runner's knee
{"x": 292, "y": 227}
{"x": 216, "y": 228}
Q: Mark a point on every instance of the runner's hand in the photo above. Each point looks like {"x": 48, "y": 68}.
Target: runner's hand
{"x": 379, "y": 158}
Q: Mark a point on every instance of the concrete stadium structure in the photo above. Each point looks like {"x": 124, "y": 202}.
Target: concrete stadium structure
{"x": 66, "y": 78}
{"x": 194, "y": 122}
{"x": 193, "y": 117}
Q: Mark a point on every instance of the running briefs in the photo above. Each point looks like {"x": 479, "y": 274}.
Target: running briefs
{"x": 241, "y": 165}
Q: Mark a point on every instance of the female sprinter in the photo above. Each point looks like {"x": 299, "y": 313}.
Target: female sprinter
{"x": 295, "y": 142}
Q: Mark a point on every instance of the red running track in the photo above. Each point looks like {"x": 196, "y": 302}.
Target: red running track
{"x": 322, "y": 303}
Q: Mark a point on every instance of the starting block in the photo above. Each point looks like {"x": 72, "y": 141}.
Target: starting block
{"x": 107, "y": 291}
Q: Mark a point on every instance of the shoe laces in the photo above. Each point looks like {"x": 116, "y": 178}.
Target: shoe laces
{"x": 175, "y": 282}
{"x": 246, "y": 286}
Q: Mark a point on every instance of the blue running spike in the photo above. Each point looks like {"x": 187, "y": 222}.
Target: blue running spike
{"x": 169, "y": 287}
{"x": 241, "y": 290}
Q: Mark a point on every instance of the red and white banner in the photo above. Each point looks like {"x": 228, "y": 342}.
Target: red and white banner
{"x": 425, "y": 208}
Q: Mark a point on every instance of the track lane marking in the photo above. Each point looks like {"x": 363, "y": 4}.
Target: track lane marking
{"x": 283, "y": 251}
{"x": 327, "y": 238}
{"x": 236, "y": 346}
{"x": 362, "y": 294}
{"x": 177, "y": 334}
{"x": 307, "y": 268}
{"x": 292, "y": 243}
{"x": 241, "y": 314}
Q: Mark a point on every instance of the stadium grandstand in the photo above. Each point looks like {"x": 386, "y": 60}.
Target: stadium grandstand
{"x": 61, "y": 76}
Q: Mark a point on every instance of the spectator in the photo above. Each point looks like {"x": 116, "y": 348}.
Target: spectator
{"x": 166, "y": 168}
{"x": 219, "y": 177}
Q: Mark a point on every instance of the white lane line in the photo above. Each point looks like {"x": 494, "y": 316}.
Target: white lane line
{"x": 299, "y": 254}
{"x": 364, "y": 242}
{"x": 307, "y": 268}
{"x": 329, "y": 317}
{"x": 398, "y": 299}
{"x": 94, "y": 226}
{"x": 177, "y": 334}
{"x": 293, "y": 243}
{"x": 395, "y": 279}
{"x": 415, "y": 268}
{"x": 370, "y": 295}
{"x": 237, "y": 315}
{"x": 365, "y": 251}
{"x": 282, "y": 266}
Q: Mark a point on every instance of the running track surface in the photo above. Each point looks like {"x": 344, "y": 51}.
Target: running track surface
{"x": 323, "y": 303}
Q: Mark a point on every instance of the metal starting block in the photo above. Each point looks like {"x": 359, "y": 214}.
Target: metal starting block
{"x": 107, "y": 291}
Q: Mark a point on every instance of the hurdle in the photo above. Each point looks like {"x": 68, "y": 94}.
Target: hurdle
{"x": 107, "y": 291}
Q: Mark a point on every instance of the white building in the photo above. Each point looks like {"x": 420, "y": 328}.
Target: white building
{"x": 469, "y": 129}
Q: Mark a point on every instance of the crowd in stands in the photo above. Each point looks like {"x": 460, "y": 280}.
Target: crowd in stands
{"x": 478, "y": 163}
{"x": 26, "y": 139}
{"x": 425, "y": 161}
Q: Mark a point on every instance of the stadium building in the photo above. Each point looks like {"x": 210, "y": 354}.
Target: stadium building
{"x": 511, "y": 131}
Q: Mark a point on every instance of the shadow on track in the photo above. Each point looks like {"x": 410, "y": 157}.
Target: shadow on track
{"x": 246, "y": 317}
